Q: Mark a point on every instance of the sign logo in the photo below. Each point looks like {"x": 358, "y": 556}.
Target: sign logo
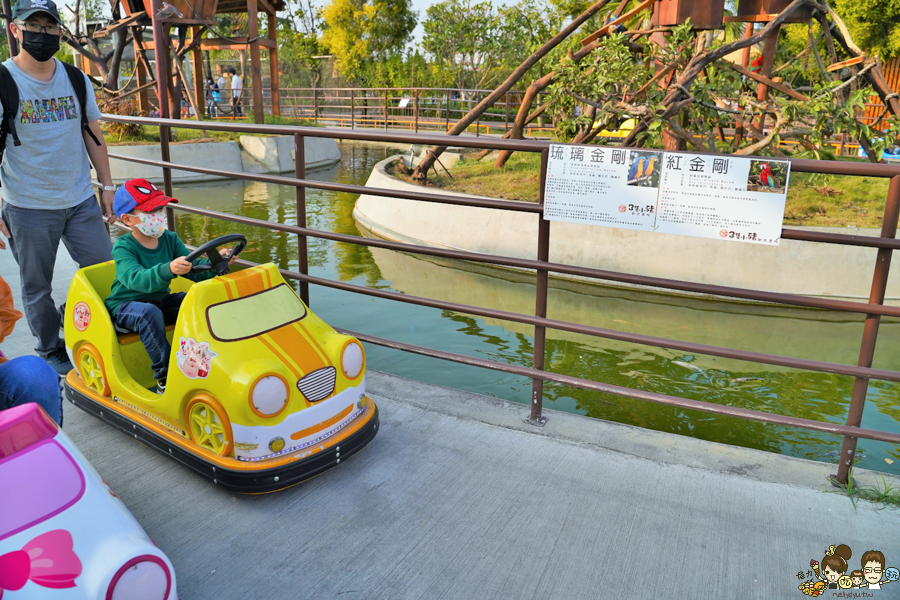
{"x": 622, "y": 208}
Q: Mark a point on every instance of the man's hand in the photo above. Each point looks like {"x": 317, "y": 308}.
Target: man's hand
{"x": 108, "y": 214}
{"x": 5, "y": 232}
{"x": 180, "y": 266}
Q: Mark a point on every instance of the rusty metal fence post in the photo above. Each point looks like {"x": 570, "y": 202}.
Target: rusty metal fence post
{"x": 316, "y": 105}
{"x": 302, "y": 249}
{"x": 385, "y": 109}
{"x": 164, "y": 132}
{"x": 352, "y": 109}
{"x": 870, "y": 329}
{"x": 416, "y": 109}
{"x": 447, "y": 113}
{"x": 540, "y": 303}
{"x": 506, "y": 111}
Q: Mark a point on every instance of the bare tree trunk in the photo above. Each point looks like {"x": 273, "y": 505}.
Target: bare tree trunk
{"x": 115, "y": 63}
{"x": 518, "y": 127}
{"x": 498, "y": 93}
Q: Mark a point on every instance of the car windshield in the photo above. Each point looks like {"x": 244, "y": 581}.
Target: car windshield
{"x": 37, "y": 484}
{"x": 256, "y": 314}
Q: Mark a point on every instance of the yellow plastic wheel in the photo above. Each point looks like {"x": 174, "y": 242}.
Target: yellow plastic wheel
{"x": 90, "y": 366}
{"x": 209, "y": 425}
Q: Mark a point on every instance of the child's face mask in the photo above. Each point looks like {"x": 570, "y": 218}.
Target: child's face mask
{"x": 152, "y": 224}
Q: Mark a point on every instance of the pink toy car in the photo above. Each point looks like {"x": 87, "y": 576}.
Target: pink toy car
{"x": 63, "y": 533}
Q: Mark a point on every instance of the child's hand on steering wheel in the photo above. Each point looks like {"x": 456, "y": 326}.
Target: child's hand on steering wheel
{"x": 180, "y": 266}
{"x": 225, "y": 252}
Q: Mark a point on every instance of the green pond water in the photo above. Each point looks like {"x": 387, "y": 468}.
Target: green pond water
{"x": 794, "y": 332}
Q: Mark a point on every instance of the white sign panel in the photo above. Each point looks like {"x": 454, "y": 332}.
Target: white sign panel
{"x": 597, "y": 185}
{"x": 723, "y": 197}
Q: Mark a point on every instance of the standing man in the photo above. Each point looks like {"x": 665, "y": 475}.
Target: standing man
{"x": 236, "y": 88}
{"x": 46, "y": 190}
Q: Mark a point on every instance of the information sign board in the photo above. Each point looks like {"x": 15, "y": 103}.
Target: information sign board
{"x": 721, "y": 197}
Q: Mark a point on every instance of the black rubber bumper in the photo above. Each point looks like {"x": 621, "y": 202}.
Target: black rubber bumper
{"x": 250, "y": 481}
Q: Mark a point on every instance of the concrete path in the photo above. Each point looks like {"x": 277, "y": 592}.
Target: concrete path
{"x": 458, "y": 498}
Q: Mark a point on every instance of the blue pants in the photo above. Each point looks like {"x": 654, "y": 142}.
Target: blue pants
{"x": 35, "y": 238}
{"x": 149, "y": 320}
{"x": 30, "y": 379}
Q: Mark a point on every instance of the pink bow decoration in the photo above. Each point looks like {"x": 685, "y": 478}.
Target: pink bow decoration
{"x": 47, "y": 560}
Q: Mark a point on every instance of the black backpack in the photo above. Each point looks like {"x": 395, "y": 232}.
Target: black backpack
{"x": 9, "y": 95}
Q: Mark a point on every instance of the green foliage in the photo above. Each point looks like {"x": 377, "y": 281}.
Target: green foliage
{"x": 360, "y": 33}
{"x": 608, "y": 79}
{"x": 298, "y": 44}
{"x": 477, "y": 44}
{"x": 874, "y": 24}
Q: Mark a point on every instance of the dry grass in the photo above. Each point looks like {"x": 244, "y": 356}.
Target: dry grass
{"x": 519, "y": 180}
{"x": 813, "y": 200}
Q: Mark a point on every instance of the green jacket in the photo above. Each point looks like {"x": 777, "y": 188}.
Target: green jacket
{"x": 143, "y": 275}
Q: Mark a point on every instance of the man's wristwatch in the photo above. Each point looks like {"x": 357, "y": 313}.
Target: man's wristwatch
{"x": 109, "y": 188}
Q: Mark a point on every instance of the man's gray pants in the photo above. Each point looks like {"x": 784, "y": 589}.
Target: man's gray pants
{"x": 34, "y": 240}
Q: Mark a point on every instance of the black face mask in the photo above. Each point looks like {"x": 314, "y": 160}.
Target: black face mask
{"x": 41, "y": 46}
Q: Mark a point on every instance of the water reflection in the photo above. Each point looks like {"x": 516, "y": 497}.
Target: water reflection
{"x": 803, "y": 333}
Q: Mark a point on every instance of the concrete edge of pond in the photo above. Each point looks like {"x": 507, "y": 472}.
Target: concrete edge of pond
{"x": 254, "y": 154}
{"x": 793, "y": 267}
{"x": 656, "y": 446}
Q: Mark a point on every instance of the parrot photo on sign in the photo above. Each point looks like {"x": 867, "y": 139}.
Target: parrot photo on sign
{"x": 637, "y": 170}
{"x": 766, "y": 177}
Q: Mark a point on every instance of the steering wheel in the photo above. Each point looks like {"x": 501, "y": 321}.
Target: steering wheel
{"x": 217, "y": 262}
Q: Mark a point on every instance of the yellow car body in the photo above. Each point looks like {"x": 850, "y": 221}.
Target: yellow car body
{"x": 261, "y": 393}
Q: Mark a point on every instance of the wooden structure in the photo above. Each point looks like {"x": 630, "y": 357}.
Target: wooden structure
{"x": 704, "y": 14}
{"x": 763, "y": 11}
{"x": 197, "y": 17}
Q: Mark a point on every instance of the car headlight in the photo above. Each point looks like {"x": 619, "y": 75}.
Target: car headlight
{"x": 142, "y": 578}
{"x": 352, "y": 359}
{"x": 269, "y": 395}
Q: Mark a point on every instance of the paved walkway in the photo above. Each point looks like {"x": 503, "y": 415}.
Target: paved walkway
{"x": 458, "y": 498}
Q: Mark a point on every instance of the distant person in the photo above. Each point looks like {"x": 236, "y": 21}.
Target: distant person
{"x": 26, "y": 378}
{"x": 237, "y": 87}
{"x": 212, "y": 96}
{"x": 53, "y": 130}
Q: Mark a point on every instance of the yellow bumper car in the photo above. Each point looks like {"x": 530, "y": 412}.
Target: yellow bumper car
{"x": 261, "y": 393}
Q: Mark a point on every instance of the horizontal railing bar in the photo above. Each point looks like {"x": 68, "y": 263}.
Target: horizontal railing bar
{"x": 464, "y": 141}
{"x": 707, "y": 407}
{"x": 800, "y": 165}
{"x": 525, "y": 263}
{"x": 636, "y": 338}
{"x": 797, "y": 164}
{"x": 512, "y": 205}
{"x": 841, "y": 238}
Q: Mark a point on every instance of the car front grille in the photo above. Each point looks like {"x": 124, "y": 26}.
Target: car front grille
{"x": 318, "y": 385}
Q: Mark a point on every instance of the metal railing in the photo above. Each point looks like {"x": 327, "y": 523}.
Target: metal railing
{"x": 873, "y": 310}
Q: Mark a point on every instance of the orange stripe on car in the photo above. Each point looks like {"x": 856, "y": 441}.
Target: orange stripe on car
{"x": 282, "y": 356}
{"x": 250, "y": 281}
{"x": 321, "y": 426}
{"x": 292, "y": 341}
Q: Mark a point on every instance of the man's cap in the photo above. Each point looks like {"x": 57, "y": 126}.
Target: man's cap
{"x": 26, "y": 8}
{"x": 139, "y": 194}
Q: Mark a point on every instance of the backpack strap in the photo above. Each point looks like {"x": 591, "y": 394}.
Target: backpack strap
{"x": 9, "y": 95}
{"x": 76, "y": 77}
